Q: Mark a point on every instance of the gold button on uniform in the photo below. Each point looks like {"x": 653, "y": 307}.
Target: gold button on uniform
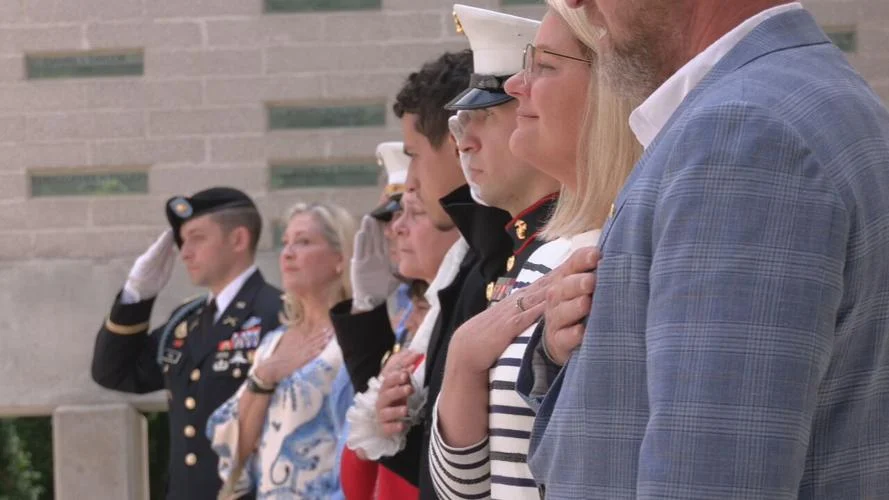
{"x": 191, "y": 459}
{"x": 195, "y": 375}
{"x": 236, "y": 373}
{"x": 489, "y": 292}
{"x": 190, "y": 403}
{"x": 521, "y": 229}
{"x": 189, "y": 431}
{"x": 510, "y": 263}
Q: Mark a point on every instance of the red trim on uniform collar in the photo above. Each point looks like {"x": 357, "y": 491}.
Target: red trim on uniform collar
{"x": 546, "y": 199}
{"x": 509, "y": 227}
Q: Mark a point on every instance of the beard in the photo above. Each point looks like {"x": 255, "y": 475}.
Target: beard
{"x": 636, "y": 66}
{"x": 630, "y": 74}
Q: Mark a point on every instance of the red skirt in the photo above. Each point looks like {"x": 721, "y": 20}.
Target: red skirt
{"x": 368, "y": 480}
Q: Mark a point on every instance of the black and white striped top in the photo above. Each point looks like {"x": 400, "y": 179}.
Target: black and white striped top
{"x": 497, "y": 467}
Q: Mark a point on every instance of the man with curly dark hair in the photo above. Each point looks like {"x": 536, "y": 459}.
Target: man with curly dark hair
{"x": 435, "y": 166}
{"x": 436, "y": 181}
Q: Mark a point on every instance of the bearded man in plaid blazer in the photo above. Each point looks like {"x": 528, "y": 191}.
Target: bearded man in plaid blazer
{"x": 737, "y": 344}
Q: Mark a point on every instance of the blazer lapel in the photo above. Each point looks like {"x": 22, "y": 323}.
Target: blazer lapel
{"x": 789, "y": 30}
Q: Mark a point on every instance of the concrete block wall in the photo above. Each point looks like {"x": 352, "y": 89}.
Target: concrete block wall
{"x": 196, "y": 117}
{"x": 116, "y": 466}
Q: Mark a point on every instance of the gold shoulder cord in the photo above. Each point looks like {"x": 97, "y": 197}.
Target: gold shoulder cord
{"x": 125, "y": 329}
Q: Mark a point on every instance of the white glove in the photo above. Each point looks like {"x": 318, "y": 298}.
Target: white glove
{"x": 152, "y": 269}
{"x": 372, "y": 278}
{"x": 457, "y": 125}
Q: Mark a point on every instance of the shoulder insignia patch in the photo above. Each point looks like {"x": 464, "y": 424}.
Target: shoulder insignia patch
{"x": 192, "y": 298}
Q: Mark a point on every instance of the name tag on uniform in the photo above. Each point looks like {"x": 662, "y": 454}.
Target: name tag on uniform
{"x": 172, "y": 356}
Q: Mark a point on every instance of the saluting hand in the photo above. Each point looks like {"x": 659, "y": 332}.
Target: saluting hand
{"x": 372, "y": 278}
{"x": 152, "y": 270}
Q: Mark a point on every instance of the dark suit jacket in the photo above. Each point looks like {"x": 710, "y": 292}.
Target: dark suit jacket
{"x": 200, "y": 368}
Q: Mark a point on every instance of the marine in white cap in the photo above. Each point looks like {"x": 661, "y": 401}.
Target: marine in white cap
{"x": 390, "y": 156}
{"x": 482, "y": 128}
{"x": 497, "y": 41}
{"x": 483, "y": 125}
{"x": 374, "y": 259}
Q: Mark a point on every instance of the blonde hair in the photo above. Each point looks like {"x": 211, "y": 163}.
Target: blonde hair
{"x": 607, "y": 149}
{"x": 338, "y": 228}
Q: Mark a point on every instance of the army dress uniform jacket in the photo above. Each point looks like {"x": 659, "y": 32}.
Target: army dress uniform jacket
{"x": 199, "y": 362}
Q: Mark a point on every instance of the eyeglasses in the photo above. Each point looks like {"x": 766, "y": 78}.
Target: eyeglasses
{"x": 531, "y": 66}
{"x": 473, "y": 115}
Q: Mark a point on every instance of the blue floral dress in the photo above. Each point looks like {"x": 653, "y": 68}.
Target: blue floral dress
{"x": 297, "y": 449}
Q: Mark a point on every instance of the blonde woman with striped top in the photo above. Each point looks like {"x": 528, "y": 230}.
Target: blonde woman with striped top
{"x": 481, "y": 433}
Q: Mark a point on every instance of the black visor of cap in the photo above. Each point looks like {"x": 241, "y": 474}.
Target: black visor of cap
{"x": 484, "y": 91}
{"x": 388, "y": 209}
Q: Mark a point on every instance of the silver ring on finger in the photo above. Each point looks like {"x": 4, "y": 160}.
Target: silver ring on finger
{"x": 519, "y": 305}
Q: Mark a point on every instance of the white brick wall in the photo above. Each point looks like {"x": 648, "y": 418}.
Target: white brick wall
{"x": 197, "y": 117}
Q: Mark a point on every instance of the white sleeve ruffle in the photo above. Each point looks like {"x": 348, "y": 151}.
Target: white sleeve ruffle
{"x": 365, "y": 432}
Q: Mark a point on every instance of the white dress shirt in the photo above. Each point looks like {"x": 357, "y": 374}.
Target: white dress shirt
{"x": 649, "y": 118}
{"x": 227, "y": 295}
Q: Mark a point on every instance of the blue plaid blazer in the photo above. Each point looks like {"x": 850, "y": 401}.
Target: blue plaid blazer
{"x": 738, "y": 343}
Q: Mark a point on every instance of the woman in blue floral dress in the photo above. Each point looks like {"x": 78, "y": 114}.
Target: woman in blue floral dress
{"x": 277, "y": 436}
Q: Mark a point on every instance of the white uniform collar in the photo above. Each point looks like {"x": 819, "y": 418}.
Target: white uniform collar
{"x": 649, "y": 118}
{"x": 228, "y": 294}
